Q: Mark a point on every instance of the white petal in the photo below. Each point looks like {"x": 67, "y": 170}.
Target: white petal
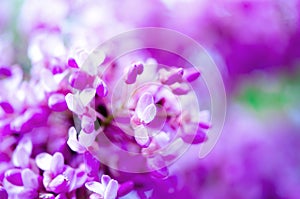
{"x": 148, "y": 114}
{"x": 48, "y": 81}
{"x": 26, "y": 143}
{"x": 74, "y": 104}
{"x": 57, "y": 163}
{"x": 29, "y": 179}
{"x": 86, "y": 139}
{"x": 162, "y": 138}
{"x": 141, "y": 135}
{"x": 87, "y": 95}
{"x": 43, "y": 161}
{"x": 95, "y": 187}
{"x": 145, "y": 100}
{"x": 93, "y": 62}
{"x": 111, "y": 190}
{"x": 73, "y": 142}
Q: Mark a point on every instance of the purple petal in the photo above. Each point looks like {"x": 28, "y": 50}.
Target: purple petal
{"x": 5, "y": 71}
{"x": 72, "y": 63}
{"x": 95, "y": 187}
{"x": 57, "y": 163}
{"x": 80, "y": 80}
{"x": 3, "y": 193}
{"x": 7, "y": 107}
{"x": 172, "y": 77}
{"x": 14, "y": 177}
{"x": 102, "y": 89}
{"x": 125, "y": 188}
{"x": 43, "y": 161}
{"x": 139, "y": 68}
{"x": 92, "y": 164}
{"x": 131, "y": 75}
{"x": 57, "y": 102}
{"x": 191, "y": 74}
{"x": 105, "y": 180}
{"x": 197, "y": 138}
{"x": 111, "y": 190}
{"x": 161, "y": 173}
{"x": 31, "y": 118}
{"x": 180, "y": 89}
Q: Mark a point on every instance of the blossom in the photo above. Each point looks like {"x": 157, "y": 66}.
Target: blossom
{"x": 107, "y": 189}
{"x": 58, "y": 177}
{"x": 21, "y": 183}
{"x": 78, "y": 121}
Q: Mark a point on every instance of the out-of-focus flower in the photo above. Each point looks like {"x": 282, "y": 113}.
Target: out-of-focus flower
{"x": 21, "y": 183}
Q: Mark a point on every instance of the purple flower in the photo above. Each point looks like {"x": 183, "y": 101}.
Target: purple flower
{"x": 58, "y": 177}
{"x": 107, "y": 189}
{"x": 21, "y": 183}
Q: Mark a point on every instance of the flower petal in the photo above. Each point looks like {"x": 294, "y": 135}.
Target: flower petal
{"x": 95, "y": 187}
{"x": 43, "y": 161}
{"x": 14, "y": 177}
{"x": 101, "y": 88}
{"x": 21, "y": 155}
{"x": 125, "y": 188}
{"x": 141, "y": 135}
{"x": 131, "y": 75}
{"x": 87, "y": 95}
{"x": 74, "y": 104}
{"x": 58, "y": 185}
{"x": 87, "y": 139}
{"x": 57, "y": 102}
{"x": 111, "y": 190}
{"x": 191, "y": 74}
{"x": 145, "y": 100}
{"x": 87, "y": 124}
{"x": 57, "y": 163}
{"x": 148, "y": 114}
{"x": 76, "y": 146}
{"x": 105, "y": 180}
{"x": 30, "y": 179}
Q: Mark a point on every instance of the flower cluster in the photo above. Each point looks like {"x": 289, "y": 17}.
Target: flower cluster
{"x": 75, "y": 122}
